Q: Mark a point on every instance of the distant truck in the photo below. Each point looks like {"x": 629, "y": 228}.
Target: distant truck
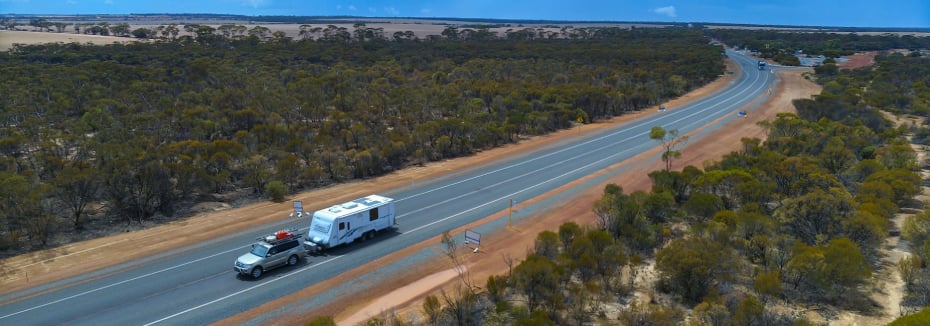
{"x": 761, "y": 65}
{"x": 360, "y": 219}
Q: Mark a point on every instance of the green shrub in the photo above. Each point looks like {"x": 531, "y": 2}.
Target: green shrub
{"x": 920, "y": 318}
{"x": 321, "y": 321}
{"x": 276, "y": 190}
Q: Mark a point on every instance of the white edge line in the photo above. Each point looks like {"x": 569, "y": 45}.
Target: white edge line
{"x": 241, "y": 291}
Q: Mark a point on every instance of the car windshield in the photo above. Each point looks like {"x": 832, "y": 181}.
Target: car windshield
{"x": 259, "y": 250}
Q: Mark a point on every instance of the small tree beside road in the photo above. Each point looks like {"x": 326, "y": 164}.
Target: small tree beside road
{"x": 670, "y": 142}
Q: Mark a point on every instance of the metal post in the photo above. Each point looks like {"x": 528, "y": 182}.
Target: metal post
{"x": 510, "y": 218}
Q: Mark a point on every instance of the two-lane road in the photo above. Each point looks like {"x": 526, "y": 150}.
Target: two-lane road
{"x": 196, "y": 285}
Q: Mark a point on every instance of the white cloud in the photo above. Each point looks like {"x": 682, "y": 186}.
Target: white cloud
{"x": 667, "y": 11}
{"x": 109, "y": 2}
{"x": 391, "y": 11}
{"x": 372, "y": 10}
{"x": 352, "y": 7}
{"x": 71, "y": 2}
{"x": 255, "y": 3}
{"x": 425, "y": 10}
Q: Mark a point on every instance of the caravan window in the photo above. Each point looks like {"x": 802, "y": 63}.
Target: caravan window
{"x": 320, "y": 227}
{"x": 342, "y": 226}
{"x": 373, "y": 214}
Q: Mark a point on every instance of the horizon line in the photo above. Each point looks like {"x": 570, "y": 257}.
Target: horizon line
{"x": 473, "y": 19}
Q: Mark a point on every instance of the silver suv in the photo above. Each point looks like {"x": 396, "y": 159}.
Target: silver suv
{"x": 270, "y": 252}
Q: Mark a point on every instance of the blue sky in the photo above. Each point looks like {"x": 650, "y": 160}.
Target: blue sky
{"x": 849, "y": 13}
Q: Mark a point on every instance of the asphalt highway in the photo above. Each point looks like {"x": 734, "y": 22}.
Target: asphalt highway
{"x": 197, "y": 285}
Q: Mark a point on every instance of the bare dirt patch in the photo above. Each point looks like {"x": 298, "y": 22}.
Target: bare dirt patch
{"x": 8, "y": 38}
{"x": 858, "y": 60}
{"x": 888, "y": 286}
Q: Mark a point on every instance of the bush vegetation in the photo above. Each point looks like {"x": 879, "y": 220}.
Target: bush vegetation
{"x": 145, "y": 130}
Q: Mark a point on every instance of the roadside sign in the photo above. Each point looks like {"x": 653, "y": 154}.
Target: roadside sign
{"x": 473, "y": 237}
{"x": 298, "y": 208}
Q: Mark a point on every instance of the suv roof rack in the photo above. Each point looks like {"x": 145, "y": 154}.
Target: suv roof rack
{"x": 280, "y": 236}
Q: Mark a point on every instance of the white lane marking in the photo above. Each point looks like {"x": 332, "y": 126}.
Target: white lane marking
{"x": 74, "y": 253}
{"x": 243, "y": 291}
{"x": 522, "y": 190}
{"x": 118, "y": 283}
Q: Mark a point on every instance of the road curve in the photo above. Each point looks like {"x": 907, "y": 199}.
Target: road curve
{"x": 196, "y": 285}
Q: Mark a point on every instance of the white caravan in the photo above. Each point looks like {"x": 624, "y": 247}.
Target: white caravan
{"x": 359, "y": 219}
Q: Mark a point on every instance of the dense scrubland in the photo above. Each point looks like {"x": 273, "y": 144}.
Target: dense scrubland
{"x": 127, "y": 133}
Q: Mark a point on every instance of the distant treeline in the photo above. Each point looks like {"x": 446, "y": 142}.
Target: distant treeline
{"x": 771, "y": 43}
{"x": 335, "y": 19}
{"x": 147, "y": 128}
